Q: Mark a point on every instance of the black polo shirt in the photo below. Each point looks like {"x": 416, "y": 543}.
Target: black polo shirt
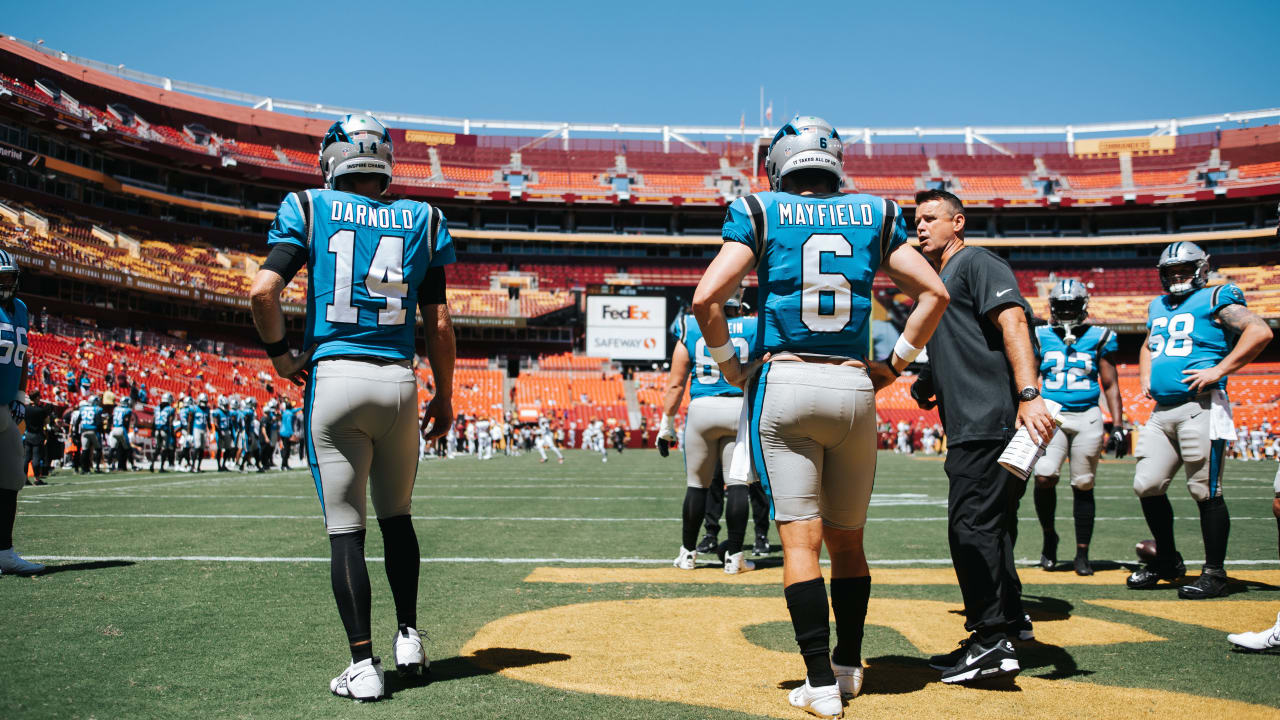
{"x": 971, "y": 375}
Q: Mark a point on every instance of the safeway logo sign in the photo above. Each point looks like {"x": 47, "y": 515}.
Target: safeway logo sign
{"x": 628, "y": 312}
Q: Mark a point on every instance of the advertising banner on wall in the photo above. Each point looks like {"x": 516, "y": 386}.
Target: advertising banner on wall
{"x": 627, "y": 327}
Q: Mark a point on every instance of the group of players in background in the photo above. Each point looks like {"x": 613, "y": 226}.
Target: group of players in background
{"x": 232, "y": 433}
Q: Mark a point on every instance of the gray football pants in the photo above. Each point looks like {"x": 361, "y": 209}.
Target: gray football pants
{"x": 813, "y": 441}
{"x": 1081, "y": 438}
{"x": 361, "y": 429}
{"x": 710, "y": 435}
{"x": 1178, "y": 435}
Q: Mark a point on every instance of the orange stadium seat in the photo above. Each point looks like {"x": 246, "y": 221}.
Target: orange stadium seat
{"x": 1094, "y": 182}
{"x": 999, "y": 185}
{"x": 1155, "y": 178}
{"x": 468, "y": 174}
{"x": 884, "y": 183}
{"x": 1269, "y": 169}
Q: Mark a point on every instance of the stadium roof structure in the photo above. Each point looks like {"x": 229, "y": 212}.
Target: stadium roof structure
{"x": 988, "y": 135}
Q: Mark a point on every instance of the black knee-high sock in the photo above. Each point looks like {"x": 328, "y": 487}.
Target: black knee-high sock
{"x": 8, "y": 513}
{"x": 1046, "y": 502}
{"x": 1159, "y": 515}
{"x": 759, "y": 508}
{"x": 1084, "y": 508}
{"x": 400, "y": 545}
{"x": 350, "y": 580}
{"x": 695, "y": 507}
{"x": 807, "y": 603}
{"x": 1215, "y": 527}
{"x": 849, "y": 598}
{"x": 736, "y": 504}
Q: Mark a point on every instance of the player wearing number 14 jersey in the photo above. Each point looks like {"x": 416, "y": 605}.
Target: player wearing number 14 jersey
{"x": 1076, "y": 369}
{"x": 1196, "y": 336}
{"x": 370, "y": 265}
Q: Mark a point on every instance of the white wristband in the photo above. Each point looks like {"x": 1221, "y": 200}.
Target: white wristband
{"x": 722, "y": 353}
{"x": 905, "y": 350}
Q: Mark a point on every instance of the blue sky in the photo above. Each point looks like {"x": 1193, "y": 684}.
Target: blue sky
{"x": 700, "y": 62}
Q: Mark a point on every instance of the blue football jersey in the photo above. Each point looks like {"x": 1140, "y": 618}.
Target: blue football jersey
{"x": 704, "y": 378}
{"x": 199, "y": 418}
{"x": 121, "y": 416}
{"x": 1069, "y": 374}
{"x": 221, "y": 420}
{"x": 286, "y": 422}
{"x": 90, "y": 418}
{"x": 366, "y": 260}
{"x": 13, "y": 349}
{"x": 816, "y": 256}
{"x": 184, "y": 417}
{"x": 1185, "y": 336}
{"x": 246, "y": 421}
{"x": 163, "y": 419}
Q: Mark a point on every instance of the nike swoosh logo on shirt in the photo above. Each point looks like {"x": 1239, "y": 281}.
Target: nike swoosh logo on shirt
{"x": 1002, "y": 292}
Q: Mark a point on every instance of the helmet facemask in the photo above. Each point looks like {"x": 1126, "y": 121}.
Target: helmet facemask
{"x": 8, "y": 285}
{"x": 1182, "y": 278}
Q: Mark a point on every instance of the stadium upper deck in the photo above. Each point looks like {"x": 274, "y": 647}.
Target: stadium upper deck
{"x": 622, "y": 165}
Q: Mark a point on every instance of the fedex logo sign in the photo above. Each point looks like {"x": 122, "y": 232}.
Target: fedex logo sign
{"x": 628, "y": 312}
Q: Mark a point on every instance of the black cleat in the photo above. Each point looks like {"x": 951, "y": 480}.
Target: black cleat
{"x": 1047, "y": 563}
{"x": 1150, "y": 575}
{"x": 708, "y": 544}
{"x": 1212, "y": 583}
{"x": 762, "y": 545}
{"x": 1082, "y": 565}
{"x": 984, "y": 662}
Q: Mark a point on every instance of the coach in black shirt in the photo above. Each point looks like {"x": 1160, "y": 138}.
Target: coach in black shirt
{"x": 983, "y": 373}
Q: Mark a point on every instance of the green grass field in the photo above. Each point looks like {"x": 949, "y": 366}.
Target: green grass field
{"x": 547, "y": 592}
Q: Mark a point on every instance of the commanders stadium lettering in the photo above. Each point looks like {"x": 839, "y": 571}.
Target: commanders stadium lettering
{"x": 840, "y": 215}
{"x": 384, "y": 218}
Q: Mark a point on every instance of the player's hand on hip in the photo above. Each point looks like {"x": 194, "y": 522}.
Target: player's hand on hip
{"x": 1033, "y": 415}
{"x": 737, "y": 374}
{"x": 1201, "y": 379}
{"x": 292, "y": 365}
{"x": 439, "y": 417}
{"x": 881, "y": 375}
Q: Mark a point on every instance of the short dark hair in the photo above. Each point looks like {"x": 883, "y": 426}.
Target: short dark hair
{"x": 812, "y": 178}
{"x": 950, "y": 200}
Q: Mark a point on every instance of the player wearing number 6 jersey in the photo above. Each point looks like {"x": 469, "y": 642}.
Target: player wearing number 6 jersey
{"x": 370, "y": 265}
{"x": 1075, "y": 368}
{"x": 710, "y": 432}
{"x": 1196, "y": 336}
{"x": 811, "y": 408}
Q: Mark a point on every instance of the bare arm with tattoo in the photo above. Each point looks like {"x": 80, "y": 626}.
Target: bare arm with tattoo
{"x": 1254, "y": 336}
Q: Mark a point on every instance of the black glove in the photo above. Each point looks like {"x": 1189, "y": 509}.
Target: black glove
{"x": 922, "y": 392}
{"x": 18, "y": 410}
{"x": 664, "y": 447}
{"x": 1117, "y": 436}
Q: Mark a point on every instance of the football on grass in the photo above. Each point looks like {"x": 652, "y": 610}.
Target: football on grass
{"x": 1146, "y": 550}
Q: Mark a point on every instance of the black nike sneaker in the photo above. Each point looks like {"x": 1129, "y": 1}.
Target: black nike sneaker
{"x": 948, "y": 660}
{"x": 1047, "y": 563}
{"x": 1211, "y": 584}
{"x": 984, "y": 662}
{"x": 708, "y": 544}
{"x": 1150, "y": 575}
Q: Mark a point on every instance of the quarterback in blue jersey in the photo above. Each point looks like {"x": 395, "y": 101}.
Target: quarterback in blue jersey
{"x": 1075, "y": 370}
{"x": 710, "y": 432}
{"x": 88, "y": 423}
{"x": 13, "y": 409}
{"x": 371, "y": 266}
{"x": 121, "y": 421}
{"x": 287, "y": 424}
{"x": 811, "y": 407}
{"x": 1196, "y": 336}
{"x": 162, "y": 433}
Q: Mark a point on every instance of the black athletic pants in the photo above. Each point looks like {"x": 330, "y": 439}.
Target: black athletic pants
{"x": 715, "y": 506}
{"x": 33, "y": 453}
{"x": 982, "y": 517}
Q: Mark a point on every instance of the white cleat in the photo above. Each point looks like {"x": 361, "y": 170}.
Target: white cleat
{"x": 687, "y": 559}
{"x": 411, "y": 655}
{"x": 848, "y": 679}
{"x": 362, "y": 681}
{"x": 11, "y": 563}
{"x": 736, "y": 563}
{"x": 823, "y": 702}
{"x": 1267, "y": 641}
